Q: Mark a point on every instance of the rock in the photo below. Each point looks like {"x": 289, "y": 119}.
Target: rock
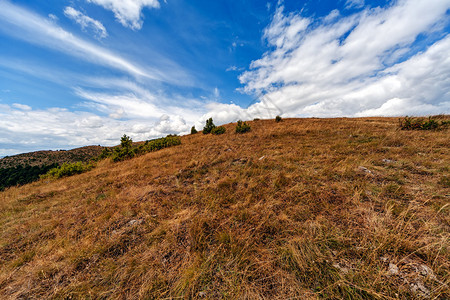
{"x": 365, "y": 170}
{"x": 262, "y": 157}
{"x": 239, "y": 161}
{"x": 388, "y": 161}
{"x": 135, "y": 222}
{"x": 419, "y": 289}
{"x": 393, "y": 269}
{"x": 342, "y": 269}
{"x": 202, "y": 294}
{"x": 426, "y": 271}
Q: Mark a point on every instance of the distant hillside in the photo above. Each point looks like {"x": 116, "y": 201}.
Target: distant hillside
{"x": 299, "y": 209}
{"x": 44, "y": 158}
{"x": 27, "y": 167}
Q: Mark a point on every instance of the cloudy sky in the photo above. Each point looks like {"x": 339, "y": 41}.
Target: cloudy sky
{"x": 84, "y": 72}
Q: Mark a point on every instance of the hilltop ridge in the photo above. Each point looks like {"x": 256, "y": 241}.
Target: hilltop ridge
{"x": 49, "y": 157}
{"x": 304, "y": 208}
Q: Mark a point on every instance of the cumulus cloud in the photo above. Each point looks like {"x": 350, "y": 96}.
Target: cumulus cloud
{"x": 116, "y": 106}
{"x": 32, "y": 129}
{"x": 86, "y": 22}
{"x": 358, "y": 65}
{"x": 127, "y": 12}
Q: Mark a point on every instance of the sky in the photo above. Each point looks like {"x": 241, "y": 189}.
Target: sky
{"x": 85, "y": 72}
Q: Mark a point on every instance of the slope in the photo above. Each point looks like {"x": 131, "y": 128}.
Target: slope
{"x": 27, "y": 167}
{"x": 303, "y": 208}
{"x": 45, "y": 158}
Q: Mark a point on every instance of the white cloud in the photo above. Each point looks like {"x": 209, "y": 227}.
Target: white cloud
{"x": 127, "y": 12}
{"x": 23, "y": 24}
{"x": 216, "y": 93}
{"x": 127, "y": 105}
{"x": 21, "y": 106}
{"x": 350, "y": 66}
{"x": 333, "y": 15}
{"x": 53, "y": 17}
{"x": 31, "y": 130}
{"x": 354, "y": 4}
{"x": 86, "y": 22}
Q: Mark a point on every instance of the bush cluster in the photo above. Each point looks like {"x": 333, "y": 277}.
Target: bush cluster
{"x": 218, "y": 130}
{"x": 209, "y": 126}
{"x": 409, "y": 123}
{"x": 22, "y": 174}
{"x": 127, "y": 151}
{"x": 242, "y": 127}
{"x": 278, "y": 119}
{"x": 68, "y": 169}
{"x": 193, "y": 130}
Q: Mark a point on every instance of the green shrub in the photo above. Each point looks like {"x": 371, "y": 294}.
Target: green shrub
{"x": 126, "y": 141}
{"x": 409, "y": 123}
{"x": 278, "y": 119}
{"x": 193, "y": 130}
{"x": 124, "y": 153}
{"x": 121, "y": 153}
{"x": 430, "y": 124}
{"x": 127, "y": 151}
{"x": 106, "y": 152}
{"x": 157, "y": 144}
{"x": 68, "y": 169}
{"x": 242, "y": 127}
{"x": 218, "y": 130}
{"x": 209, "y": 126}
{"x": 19, "y": 175}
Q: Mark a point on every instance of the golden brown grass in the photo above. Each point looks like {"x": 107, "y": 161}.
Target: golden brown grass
{"x": 300, "y": 209}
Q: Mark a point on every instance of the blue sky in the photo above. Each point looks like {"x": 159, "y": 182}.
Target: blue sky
{"x": 84, "y": 72}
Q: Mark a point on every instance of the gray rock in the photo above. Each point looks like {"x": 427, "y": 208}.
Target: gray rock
{"x": 393, "y": 269}
{"x": 365, "y": 170}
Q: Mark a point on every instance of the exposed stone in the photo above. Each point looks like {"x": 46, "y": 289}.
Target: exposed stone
{"x": 419, "y": 289}
{"x": 426, "y": 271}
{"x": 393, "y": 269}
{"x": 135, "y": 222}
{"x": 365, "y": 170}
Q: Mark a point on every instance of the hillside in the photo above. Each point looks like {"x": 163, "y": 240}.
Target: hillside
{"x": 300, "y": 209}
{"x": 45, "y": 158}
{"x": 27, "y": 167}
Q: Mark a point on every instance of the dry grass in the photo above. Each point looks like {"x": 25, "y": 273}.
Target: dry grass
{"x": 300, "y": 209}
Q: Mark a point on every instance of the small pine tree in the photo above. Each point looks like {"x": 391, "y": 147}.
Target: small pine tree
{"x": 193, "y": 130}
{"x": 126, "y": 141}
{"x": 209, "y": 126}
{"x": 278, "y": 119}
{"x": 242, "y": 127}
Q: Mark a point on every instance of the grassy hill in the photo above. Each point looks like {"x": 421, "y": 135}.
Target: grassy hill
{"x": 45, "y": 158}
{"x": 300, "y": 209}
{"x": 27, "y": 167}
